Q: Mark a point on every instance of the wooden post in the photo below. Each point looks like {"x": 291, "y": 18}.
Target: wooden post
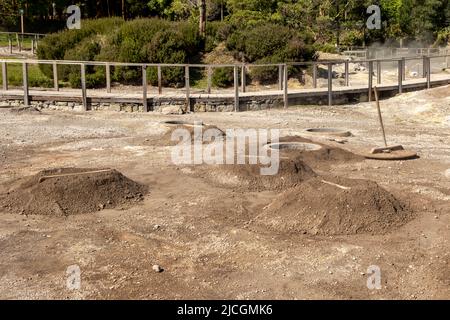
{"x": 243, "y": 78}
{"x": 347, "y": 74}
{"x": 26, "y": 96}
{"x": 144, "y": 88}
{"x": 424, "y": 67}
{"x": 210, "y": 72}
{"x": 314, "y": 75}
{"x": 159, "y": 80}
{"x": 108, "y": 77}
{"x": 10, "y": 46}
{"x": 55, "y": 76}
{"x": 400, "y": 76}
{"x": 286, "y": 86}
{"x": 404, "y": 69}
{"x": 236, "y": 88}
{"x": 18, "y": 41}
{"x": 280, "y": 77}
{"x": 187, "y": 87}
{"x": 83, "y": 87}
{"x": 5, "y": 76}
{"x": 370, "y": 79}
{"x": 428, "y": 72}
{"x": 32, "y": 46}
{"x": 330, "y": 84}
{"x": 378, "y": 72}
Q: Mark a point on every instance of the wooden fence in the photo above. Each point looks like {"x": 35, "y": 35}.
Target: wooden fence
{"x": 16, "y": 40}
{"x": 240, "y": 70}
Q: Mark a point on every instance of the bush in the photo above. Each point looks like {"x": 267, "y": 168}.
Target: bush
{"x": 136, "y": 41}
{"x": 223, "y": 77}
{"x": 443, "y": 38}
{"x": 259, "y": 42}
{"x": 269, "y": 43}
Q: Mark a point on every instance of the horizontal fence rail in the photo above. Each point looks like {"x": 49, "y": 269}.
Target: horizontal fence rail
{"x": 374, "y": 67}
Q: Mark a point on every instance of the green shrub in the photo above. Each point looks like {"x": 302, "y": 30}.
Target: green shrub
{"x": 443, "y": 38}
{"x": 223, "y": 77}
{"x": 259, "y": 42}
{"x": 328, "y": 48}
{"x": 136, "y": 41}
{"x": 217, "y": 32}
{"x": 268, "y": 43}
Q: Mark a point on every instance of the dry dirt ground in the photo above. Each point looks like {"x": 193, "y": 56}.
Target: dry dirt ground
{"x": 204, "y": 234}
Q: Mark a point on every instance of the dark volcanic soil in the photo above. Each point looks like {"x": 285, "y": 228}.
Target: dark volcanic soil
{"x": 69, "y": 191}
{"x": 335, "y": 206}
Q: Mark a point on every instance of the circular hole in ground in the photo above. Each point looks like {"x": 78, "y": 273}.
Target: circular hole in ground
{"x": 302, "y": 146}
{"x": 329, "y": 131}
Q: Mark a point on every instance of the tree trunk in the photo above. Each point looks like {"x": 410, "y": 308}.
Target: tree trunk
{"x": 202, "y": 17}
{"x": 123, "y": 9}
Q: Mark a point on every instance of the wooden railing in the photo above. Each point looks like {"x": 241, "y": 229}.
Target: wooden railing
{"x": 374, "y": 68}
{"x": 18, "y": 38}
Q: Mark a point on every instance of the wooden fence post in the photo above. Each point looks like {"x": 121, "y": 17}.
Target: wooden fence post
{"x": 159, "y": 80}
{"x": 286, "y": 86}
{"x": 187, "y": 87}
{"x": 5, "y": 76}
{"x": 424, "y": 67}
{"x": 236, "y": 88}
{"x": 347, "y": 74}
{"x": 429, "y": 72}
{"x": 209, "y": 79}
{"x": 330, "y": 84}
{"x": 18, "y": 41}
{"x": 144, "y": 88}
{"x": 370, "y": 79}
{"x": 404, "y": 69}
{"x": 108, "y": 77}
{"x": 379, "y": 72}
{"x": 400, "y": 76}
{"x": 280, "y": 77}
{"x": 314, "y": 75}
{"x": 55, "y": 76}
{"x": 26, "y": 96}
{"x": 243, "y": 78}
{"x": 83, "y": 87}
{"x": 10, "y": 46}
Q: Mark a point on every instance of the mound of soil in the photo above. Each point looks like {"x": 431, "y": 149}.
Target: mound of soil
{"x": 166, "y": 139}
{"x": 335, "y": 206}
{"x": 292, "y": 171}
{"x": 322, "y": 158}
{"x": 70, "y": 191}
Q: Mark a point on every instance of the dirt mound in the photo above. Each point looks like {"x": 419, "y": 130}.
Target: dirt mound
{"x": 166, "y": 139}
{"x": 69, "y": 191}
{"x": 292, "y": 171}
{"x": 335, "y": 206}
{"x": 322, "y": 158}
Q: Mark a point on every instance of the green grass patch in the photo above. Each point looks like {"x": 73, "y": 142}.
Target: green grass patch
{"x": 35, "y": 76}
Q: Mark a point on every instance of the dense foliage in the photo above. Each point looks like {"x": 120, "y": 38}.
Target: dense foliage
{"x": 325, "y": 20}
{"x": 254, "y": 31}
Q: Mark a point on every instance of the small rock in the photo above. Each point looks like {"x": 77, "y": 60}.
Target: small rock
{"x": 157, "y": 268}
{"x": 447, "y": 173}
